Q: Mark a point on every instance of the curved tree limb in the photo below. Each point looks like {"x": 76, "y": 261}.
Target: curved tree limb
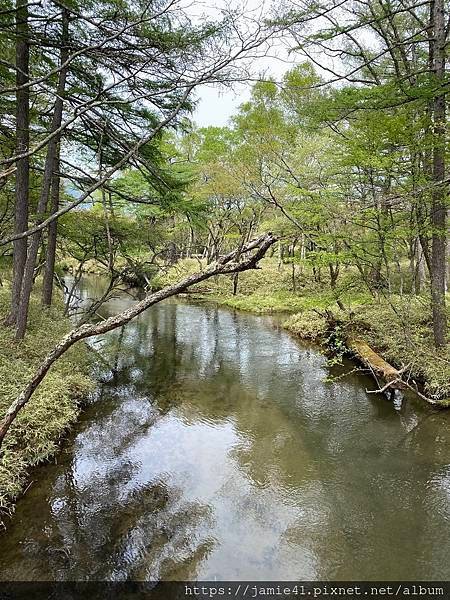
{"x": 249, "y": 255}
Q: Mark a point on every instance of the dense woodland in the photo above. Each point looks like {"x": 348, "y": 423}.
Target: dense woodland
{"x": 343, "y": 160}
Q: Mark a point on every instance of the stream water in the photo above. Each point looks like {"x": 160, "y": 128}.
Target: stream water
{"x": 218, "y": 450}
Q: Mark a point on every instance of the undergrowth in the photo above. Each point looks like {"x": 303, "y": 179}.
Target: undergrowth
{"x": 399, "y": 329}
{"x": 35, "y": 434}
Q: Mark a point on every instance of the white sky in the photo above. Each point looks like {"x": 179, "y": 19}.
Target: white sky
{"x": 217, "y": 105}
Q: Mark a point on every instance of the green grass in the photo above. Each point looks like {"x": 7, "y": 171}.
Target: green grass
{"x": 35, "y": 434}
{"x": 260, "y": 303}
{"x": 308, "y": 325}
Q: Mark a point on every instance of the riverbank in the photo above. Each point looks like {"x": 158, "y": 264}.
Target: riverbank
{"x": 36, "y": 433}
{"x": 399, "y": 331}
{"x": 398, "y": 328}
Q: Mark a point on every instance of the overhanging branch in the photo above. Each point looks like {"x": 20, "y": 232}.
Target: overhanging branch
{"x": 240, "y": 259}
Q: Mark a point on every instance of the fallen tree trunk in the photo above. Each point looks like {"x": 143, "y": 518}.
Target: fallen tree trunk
{"x": 373, "y": 361}
{"x": 223, "y": 265}
{"x": 394, "y": 379}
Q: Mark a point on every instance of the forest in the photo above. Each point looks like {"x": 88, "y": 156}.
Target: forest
{"x": 323, "y": 199}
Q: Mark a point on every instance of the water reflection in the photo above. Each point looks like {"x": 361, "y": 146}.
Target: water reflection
{"x": 216, "y": 450}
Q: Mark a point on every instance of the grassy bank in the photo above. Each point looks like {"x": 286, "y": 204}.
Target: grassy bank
{"x": 398, "y": 328}
{"x": 35, "y": 435}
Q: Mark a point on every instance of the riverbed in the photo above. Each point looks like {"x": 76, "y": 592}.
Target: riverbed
{"x": 216, "y": 447}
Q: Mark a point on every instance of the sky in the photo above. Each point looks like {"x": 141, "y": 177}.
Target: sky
{"x": 217, "y": 105}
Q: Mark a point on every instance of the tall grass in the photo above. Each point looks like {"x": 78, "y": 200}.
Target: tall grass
{"x": 35, "y": 434}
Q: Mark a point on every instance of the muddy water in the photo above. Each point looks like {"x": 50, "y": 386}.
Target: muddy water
{"x": 218, "y": 450}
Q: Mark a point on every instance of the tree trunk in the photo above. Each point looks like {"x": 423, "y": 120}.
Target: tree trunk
{"x": 447, "y": 281}
{"x": 235, "y": 284}
{"x": 23, "y": 164}
{"x": 334, "y": 274}
{"x": 439, "y": 211}
{"x": 372, "y": 360}
{"x": 420, "y": 272}
{"x": 49, "y": 170}
{"x": 49, "y": 272}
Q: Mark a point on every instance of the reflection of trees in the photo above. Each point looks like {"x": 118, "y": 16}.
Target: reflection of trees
{"x": 320, "y": 469}
{"x": 297, "y": 442}
{"x": 103, "y": 522}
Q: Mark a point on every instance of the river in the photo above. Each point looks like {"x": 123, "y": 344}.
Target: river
{"x": 217, "y": 449}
